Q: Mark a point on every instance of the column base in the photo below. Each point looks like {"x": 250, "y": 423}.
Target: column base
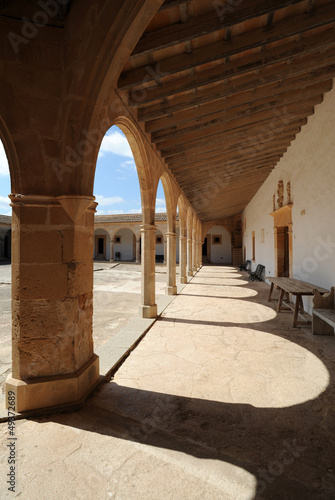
{"x": 137, "y": 262}
{"x": 189, "y": 273}
{"x": 148, "y": 311}
{"x": 46, "y": 392}
{"x": 183, "y": 279}
{"x": 171, "y": 290}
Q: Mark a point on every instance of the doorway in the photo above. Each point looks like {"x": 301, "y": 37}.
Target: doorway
{"x": 100, "y": 247}
{"x": 283, "y": 252}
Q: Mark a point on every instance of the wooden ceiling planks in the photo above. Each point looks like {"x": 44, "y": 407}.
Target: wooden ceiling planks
{"x": 223, "y": 88}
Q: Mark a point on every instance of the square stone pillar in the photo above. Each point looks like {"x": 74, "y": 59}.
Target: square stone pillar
{"x": 148, "y": 308}
{"x": 171, "y": 288}
{"x": 52, "y": 301}
{"x": 182, "y": 255}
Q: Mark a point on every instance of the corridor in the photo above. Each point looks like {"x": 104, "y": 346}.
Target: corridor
{"x": 222, "y": 399}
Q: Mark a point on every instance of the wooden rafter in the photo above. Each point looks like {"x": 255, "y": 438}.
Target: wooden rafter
{"x": 222, "y": 89}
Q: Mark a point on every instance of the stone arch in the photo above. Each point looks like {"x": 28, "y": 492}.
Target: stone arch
{"x": 12, "y": 158}
{"x": 171, "y": 201}
{"x": 137, "y": 147}
{"x": 113, "y": 45}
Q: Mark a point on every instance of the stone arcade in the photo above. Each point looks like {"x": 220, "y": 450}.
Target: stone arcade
{"x": 222, "y": 104}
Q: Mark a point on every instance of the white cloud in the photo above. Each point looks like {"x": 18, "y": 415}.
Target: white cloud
{"x": 114, "y": 142}
{"x": 128, "y": 165}
{"x": 5, "y": 209}
{"x": 135, "y": 211}
{"x": 105, "y": 201}
{"x": 160, "y": 202}
{"x": 4, "y": 168}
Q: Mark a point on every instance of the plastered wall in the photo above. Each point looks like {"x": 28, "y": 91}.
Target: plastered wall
{"x": 309, "y": 166}
{"x": 220, "y": 253}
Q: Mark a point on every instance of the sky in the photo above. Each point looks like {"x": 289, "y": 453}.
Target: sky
{"x": 116, "y": 186}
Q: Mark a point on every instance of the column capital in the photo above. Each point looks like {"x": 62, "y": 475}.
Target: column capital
{"x": 148, "y": 227}
{"x": 73, "y": 205}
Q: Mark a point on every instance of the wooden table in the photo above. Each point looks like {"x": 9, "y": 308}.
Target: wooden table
{"x": 297, "y": 288}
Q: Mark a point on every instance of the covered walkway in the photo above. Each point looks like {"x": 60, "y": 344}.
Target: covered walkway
{"x": 222, "y": 399}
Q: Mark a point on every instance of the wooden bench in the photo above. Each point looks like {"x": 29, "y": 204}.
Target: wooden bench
{"x": 298, "y": 289}
{"x": 245, "y": 266}
{"x": 323, "y": 317}
{"x": 257, "y": 274}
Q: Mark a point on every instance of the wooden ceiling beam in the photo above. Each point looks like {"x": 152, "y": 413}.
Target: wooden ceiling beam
{"x": 313, "y": 95}
{"x": 289, "y": 113}
{"x": 237, "y": 67}
{"x": 219, "y": 18}
{"x": 170, "y": 4}
{"x": 255, "y": 136}
{"x": 222, "y": 156}
{"x": 223, "y": 177}
{"x": 244, "y": 143}
{"x": 301, "y": 67}
{"x": 235, "y": 170}
{"x": 233, "y": 192}
{"x": 322, "y": 16}
{"x": 248, "y": 97}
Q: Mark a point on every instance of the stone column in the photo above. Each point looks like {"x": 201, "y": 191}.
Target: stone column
{"x": 52, "y": 301}
{"x": 194, "y": 250}
{"x": 112, "y": 251}
{"x": 200, "y": 253}
{"x": 171, "y": 288}
{"x": 182, "y": 255}
{"x": 148, "y": 308}
{"x": 138, "y": 257}
{"x": 165, "y": 250}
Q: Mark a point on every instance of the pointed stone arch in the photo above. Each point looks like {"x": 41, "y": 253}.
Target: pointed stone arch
{"x": 138, "y": 149}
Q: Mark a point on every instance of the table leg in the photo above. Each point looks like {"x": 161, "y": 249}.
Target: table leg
{"x": 270, "y": 292}
{"x": 280, "y": 300}
{"x": 297, "y": 305}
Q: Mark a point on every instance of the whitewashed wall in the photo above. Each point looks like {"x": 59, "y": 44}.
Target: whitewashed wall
{"x": 160, "y": 246}
{"x": 220, "y": 253}
{"x": 126, "y": 247}
{"x": 309, "y": 165}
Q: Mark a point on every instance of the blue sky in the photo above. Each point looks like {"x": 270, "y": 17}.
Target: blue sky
{"x": 116, "y": 185}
